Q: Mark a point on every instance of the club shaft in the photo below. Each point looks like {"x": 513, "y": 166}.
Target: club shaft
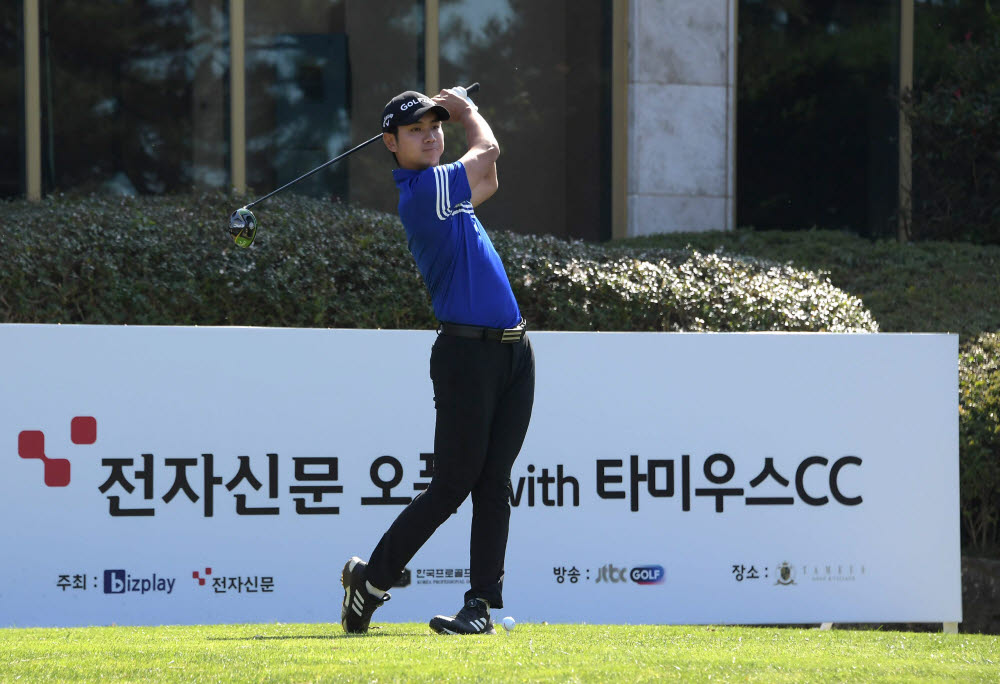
{"x": 470, "y": 89}
{"x": 316, "y": 170}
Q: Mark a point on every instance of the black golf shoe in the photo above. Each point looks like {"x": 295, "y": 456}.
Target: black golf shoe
{"x": 474, "y": 618}
{"x": 359, "y": 603}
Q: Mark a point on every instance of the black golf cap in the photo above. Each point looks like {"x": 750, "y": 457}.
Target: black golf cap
{"x": 408, "y": 107}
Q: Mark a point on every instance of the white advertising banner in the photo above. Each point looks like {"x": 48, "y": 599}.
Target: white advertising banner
{"x": 169, "y": 475}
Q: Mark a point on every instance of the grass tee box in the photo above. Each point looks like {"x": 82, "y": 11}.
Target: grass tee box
{"x": 666, "y": 478}
{"x": 532, "y": 653}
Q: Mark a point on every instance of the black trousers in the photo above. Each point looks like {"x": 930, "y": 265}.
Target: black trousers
{"x": 483, "y": 393}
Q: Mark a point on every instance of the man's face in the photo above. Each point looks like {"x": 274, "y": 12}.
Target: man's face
{"x": 419, "y": 145}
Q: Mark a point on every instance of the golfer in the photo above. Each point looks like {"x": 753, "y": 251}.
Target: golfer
{"x": 482, "y": 366}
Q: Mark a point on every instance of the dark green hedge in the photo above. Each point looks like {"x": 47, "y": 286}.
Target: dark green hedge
{"x": 919, "y": 287}
{"x": 168, "y": 260}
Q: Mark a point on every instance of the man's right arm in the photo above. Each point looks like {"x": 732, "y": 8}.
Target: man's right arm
{"x": 480, "y": 160}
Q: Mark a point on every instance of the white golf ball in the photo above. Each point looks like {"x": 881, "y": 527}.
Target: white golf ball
{"x": 508, "y": 623}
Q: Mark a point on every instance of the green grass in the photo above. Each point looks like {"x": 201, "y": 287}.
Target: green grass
{"x": 919, "y": 287}
{"x": 559, "y": 653}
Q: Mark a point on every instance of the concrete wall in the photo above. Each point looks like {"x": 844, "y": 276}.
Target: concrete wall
{"x": 682, "y": 116}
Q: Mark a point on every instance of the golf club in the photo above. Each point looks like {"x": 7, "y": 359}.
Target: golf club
{"x": 243, "y": 224}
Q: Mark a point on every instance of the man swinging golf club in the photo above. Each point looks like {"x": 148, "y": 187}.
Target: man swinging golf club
{"x": 482, "y": 365}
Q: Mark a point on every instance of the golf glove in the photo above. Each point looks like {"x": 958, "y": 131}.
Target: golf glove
{"x": 460, "y": 91}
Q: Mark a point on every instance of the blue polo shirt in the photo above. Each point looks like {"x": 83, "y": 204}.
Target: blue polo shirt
{"x": 460, "y": 266}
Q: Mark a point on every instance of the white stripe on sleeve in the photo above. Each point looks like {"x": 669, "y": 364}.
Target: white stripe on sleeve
{"x": 439, "y": 195}
{"x": 447, "y": 192}
{"x": 442, "y": 196}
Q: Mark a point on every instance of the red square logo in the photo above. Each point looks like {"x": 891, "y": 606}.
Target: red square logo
{"x": 83, "y": 430}
{"x": 57, "y": 472}
{"x": 31, "y": 444}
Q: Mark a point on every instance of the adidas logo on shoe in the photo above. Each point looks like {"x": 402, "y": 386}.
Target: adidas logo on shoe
{"x": 359, "y": 603}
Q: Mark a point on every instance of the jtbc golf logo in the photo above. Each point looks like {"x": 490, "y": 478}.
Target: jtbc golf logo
{"x": 120, "y": 582}
{"x": 643, "y": 574}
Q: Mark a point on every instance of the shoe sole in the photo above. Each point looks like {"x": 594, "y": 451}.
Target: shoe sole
{"x": 444, "y": 630}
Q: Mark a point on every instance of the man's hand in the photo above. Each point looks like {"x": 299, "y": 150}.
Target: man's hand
{"x": 458, "y": 107}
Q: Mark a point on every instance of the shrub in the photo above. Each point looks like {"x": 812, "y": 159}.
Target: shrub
{"x": 578, "y": 286}
{"x": 979, "y": 420}
{"x": 168, "y": 260}
{"x": 909, "y": 287}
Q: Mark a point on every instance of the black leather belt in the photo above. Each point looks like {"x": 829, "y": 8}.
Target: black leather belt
{"x": 503, "y": 335}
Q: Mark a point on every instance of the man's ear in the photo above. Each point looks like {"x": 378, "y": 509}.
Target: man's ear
{"x": 391, "y": 143}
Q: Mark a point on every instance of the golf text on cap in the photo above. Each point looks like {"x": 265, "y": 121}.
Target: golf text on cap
{"x": 120, "y": 582}
{"x": 413, "y": 103}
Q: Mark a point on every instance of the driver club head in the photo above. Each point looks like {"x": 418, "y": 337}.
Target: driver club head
{"x": 243, "y": 227}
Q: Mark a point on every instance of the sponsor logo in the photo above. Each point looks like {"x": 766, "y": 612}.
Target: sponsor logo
{"x": 641, "y": 574}
{"x": 833, "y": 572}
{"x": 609, "y": 573}
{"x": 786, "y": 574}
{"x": 120, "y": 582}
{"x": 31, "y": 445}
{"x": 256, "y": 477}
{"x": 648, "y": 574}
{"x": 443, "y": 575}
{"x": 385, "y": 121}
{"x": 236, "y": 584}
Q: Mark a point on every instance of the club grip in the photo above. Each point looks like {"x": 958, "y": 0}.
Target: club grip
{"x": 474, "y": 88}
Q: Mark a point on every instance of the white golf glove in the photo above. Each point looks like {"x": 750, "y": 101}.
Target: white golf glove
{"x": 460, "y": 91}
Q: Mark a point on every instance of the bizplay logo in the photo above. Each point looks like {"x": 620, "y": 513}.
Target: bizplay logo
{"x": 31, "y": 445}
{"x": 120, "y": 582}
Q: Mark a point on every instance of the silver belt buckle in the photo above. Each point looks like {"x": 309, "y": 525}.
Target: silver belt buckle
{"x": 513, "y": 334}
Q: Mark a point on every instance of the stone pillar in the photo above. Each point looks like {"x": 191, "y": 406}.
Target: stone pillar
{"x": 682, "y": 116}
